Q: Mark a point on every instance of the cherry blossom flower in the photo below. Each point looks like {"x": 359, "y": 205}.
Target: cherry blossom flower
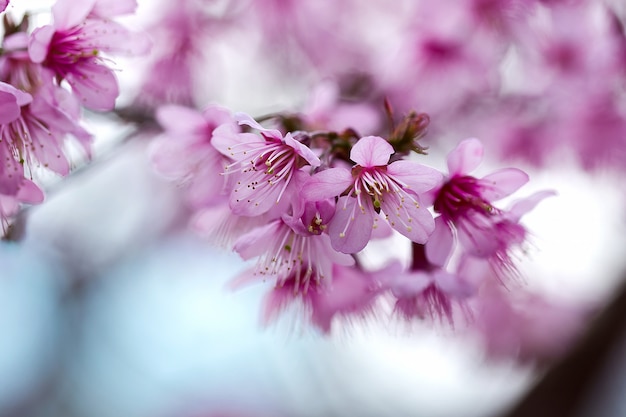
{"x": 264, "y": 165}
{"x": 428, "y": 290}
{"x": 371, "y": 186}
{"x": 465, "y": 205}
{"x": 14, "y": 188}
{"x": 299, "y": 255}
{"x": 37, "y": 136}
{"x": 430, "y": 294}
{"x": 294, "y": 248}
{"x": 442, "y": 46}
{"x": 72, "y": 47}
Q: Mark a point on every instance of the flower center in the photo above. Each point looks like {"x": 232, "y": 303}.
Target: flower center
{"x": 67, "y": 48}
{"x": 460, "y": 195}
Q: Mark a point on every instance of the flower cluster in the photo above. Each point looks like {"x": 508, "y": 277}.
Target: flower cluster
{"x": 305, "y": 204}
{"x": 306, "y": 195}
{"x": 46, "y": 76}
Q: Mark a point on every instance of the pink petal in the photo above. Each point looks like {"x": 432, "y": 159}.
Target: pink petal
{"x": 410, "y": 284}
{"x": 85, "y": 140}
{"x": 465, "y": 157}
{"x": 61, "y": 99}
{"x": 502, "y": 183}
{"x": 9, "y": 110}
{"x": 8, "y": 206}
{"x": 417, "y": 177}
{"x": 16, "y": 41}
{"x": 388, "y": 273}
{"x": 362, "y": 117}
{"x": 167, "y": 157}
{"x": 324, "y": 208}
{"x": 276, "y": 301}
{"x": 302, "y": 150}
{"x": 20, "y": 97}
{"x": 478, "y": 236}
{"x": 244, "y": 119}
{"x": 49, "y": 106}
{"x": 112, "y": 8}
{"x": 255, "y": 242}
{"x": 70, "y": 13}
{"x": 331, "y": 257}
{"x": 329, "y": 183}
{"x": 521, "y": 207}
{"x": 217, "y": 115}
{"x": 440, "y": 243}
{"x": 474, "y": 270}
{"x": 352, "y": 292}
{"x": 11, "y": 99}
{"x": 382, "y": 229}
{"x": 325, "y": 257}
{"x": 39, "y": 43}
{"x": 371, "y": 151}
{"x": 111, "y": 37}
{"x": 208, "y": 184}
{"x": 227, "y": 136}
{"x": 180, "y": 119}
{"x": 95, "y": 85}
{"x": 298, "y": 203}
{"x": 351, "y": 228}
{"x": 248, "y": 201}
{"x": 453, "y": 285}
{"x": 3, "y": 5}
{"x": 48, "y": 151}
{"x": 416, "y": 223}
{"x": 29, "y": 193}
{"x": 11, "y": 172}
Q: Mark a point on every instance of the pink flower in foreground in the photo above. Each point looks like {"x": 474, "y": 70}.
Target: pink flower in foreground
{"x": 465, "y": 205}
{"x": 264, "y": 165}
{"x": 294, "y": 249}
{"x": 71, "y": 47}
{"x": 37, "y": 136}
{"x": 14, "y": 188}
{"x": 3, "y": 5}
{"x": 371, "y": 186}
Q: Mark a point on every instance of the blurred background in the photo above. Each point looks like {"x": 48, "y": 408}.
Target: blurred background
{"x": 110, "y": 305}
